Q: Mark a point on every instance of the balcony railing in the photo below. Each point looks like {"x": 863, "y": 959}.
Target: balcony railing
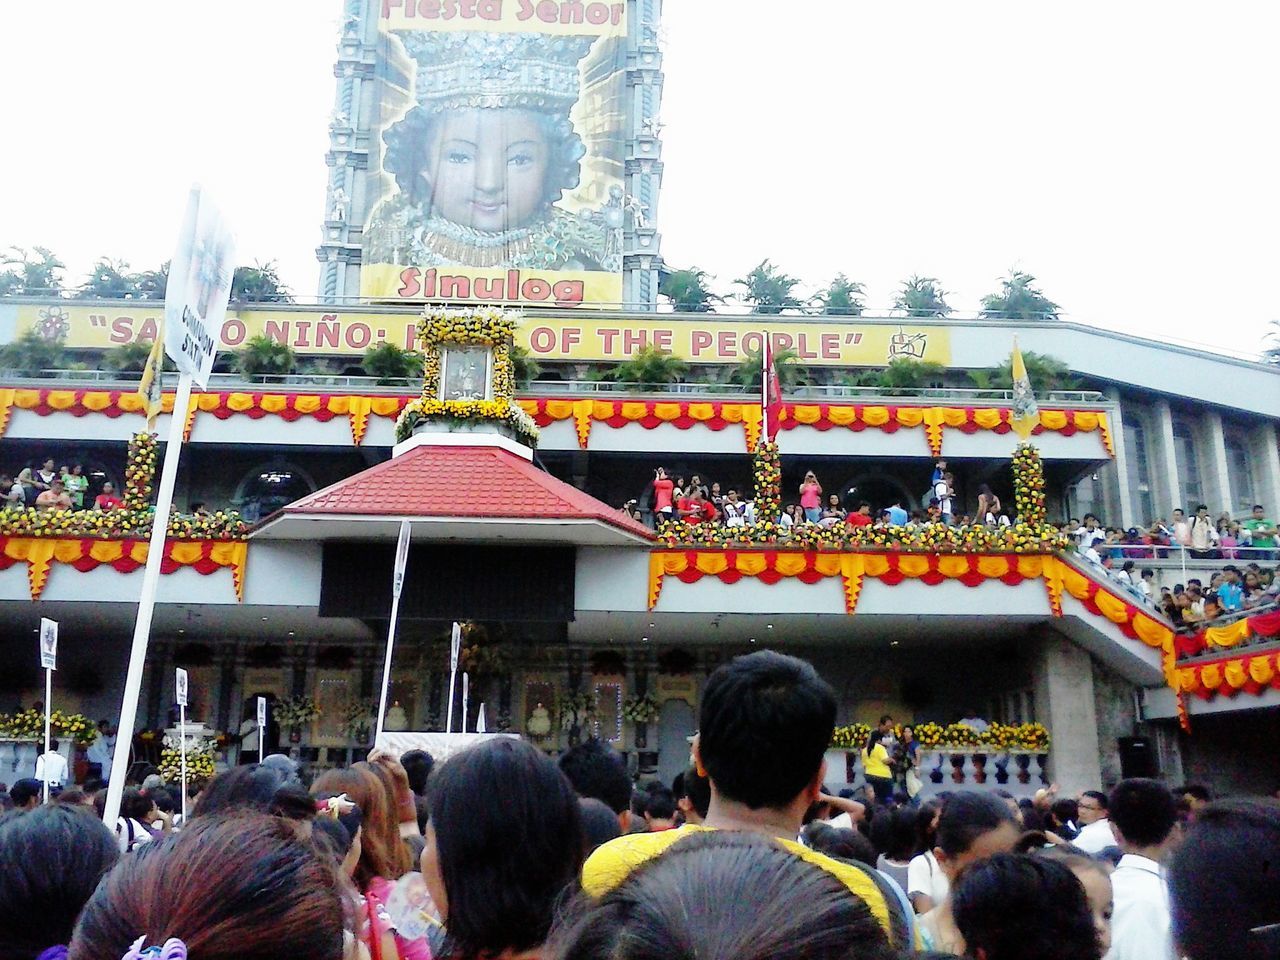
{"x": 541, "y": 388}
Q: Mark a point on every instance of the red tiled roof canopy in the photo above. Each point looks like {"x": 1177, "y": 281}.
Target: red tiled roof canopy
{"x": 464, "y": 482}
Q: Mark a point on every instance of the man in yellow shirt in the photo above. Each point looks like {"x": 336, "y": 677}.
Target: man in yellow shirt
{"x": 765, "y": 722}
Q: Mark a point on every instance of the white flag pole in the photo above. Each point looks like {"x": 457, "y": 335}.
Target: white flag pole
{"x": 147, "y": 603}
{"x": 466, "y": 682}
{"x": 262, "y": 727}
{"x": 455, "y": 644}
{"x": 397, "y": 586}
{"x": 48, "y": 727}
{"x": 180, "y": 687}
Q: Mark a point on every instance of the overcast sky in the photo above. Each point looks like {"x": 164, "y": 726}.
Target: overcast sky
{"x": 1124, "y": 153}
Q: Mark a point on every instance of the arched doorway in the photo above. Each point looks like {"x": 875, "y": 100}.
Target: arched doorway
{"x": 270, "y": 486}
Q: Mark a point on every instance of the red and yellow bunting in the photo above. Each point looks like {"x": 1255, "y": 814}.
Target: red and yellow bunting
{"x": 1230, "y": 675}
{"x": 125, "y": 556}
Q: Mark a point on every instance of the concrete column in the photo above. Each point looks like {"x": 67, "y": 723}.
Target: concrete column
{"x": 1116, "y": 475}
{"x": 1168, "y": 487}
{"x": 1266, "y": 457}
{"x": 1064, "y": 698}
{"x": 1219, "y": 492}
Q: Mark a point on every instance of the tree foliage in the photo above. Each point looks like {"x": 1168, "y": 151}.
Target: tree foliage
{"x": 906, "y": 374}
{"x": 769, "y": 290}
{"x": 109, "y": 280}
{"x": 842, "y": 298}
{"x": 922, "y": 297}
{"x": 260, "y": 283}
{"x": 786, "y": 366}
{"x": 154, "y": 284}
{"x": 261, "y": 355}
{"x": 1019, "y": 299}
{"x": 689, "y": 290}
{"x": 391, "y": 363}
{"x": 131, "y": 357}
{"x": 1046, "y": 373}
{"x": 31, "y": 353}
{"x": 651, "y": 367}
{"x": 34, "y": 272}
{"x": 524, "y": 367}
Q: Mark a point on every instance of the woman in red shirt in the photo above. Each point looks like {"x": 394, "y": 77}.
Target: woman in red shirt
{"x": 663, "y": 490}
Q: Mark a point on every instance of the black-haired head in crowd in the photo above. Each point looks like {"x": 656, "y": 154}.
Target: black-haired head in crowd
{"x": 659, "y": 809}
{"x": 597, "y": 771}
{"x": 1143, "y": 814}
{"x": 257, "y": 787}
{"x": 51, "y": 859}
{"x": 840, "y": 842}
{"x": 418, "y": 765}
{"x": 767, "y": 905}
{"x": 25, "y": 794}
{"x": 693, "y": 795}
{"x": 1016, "y": 907}
{"x": 1224, "y": 883}
{"x": 503, "y": 844}
{"x": 599, "y": 824}
{"x": 972, "y": 827}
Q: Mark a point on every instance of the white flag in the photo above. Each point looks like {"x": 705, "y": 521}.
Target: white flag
{"x": 481, "y": 726}
{"x": 48, "y": 644}
{"x": 181, "y": 687}
{"x": 455, "y": 647}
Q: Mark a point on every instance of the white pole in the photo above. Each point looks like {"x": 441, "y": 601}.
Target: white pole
{"x": 262, "y": 735}
{"x": 48, "y": 727}
{"x": 182, "y": 740}
{"x": 466, "y": 683}
{"x": 454, "y": 644}
{"x": 146, "y": 603}
{"x": 386, "y": 665}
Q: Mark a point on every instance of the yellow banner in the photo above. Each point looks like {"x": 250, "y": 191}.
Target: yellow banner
{"x": 585, "y": 337}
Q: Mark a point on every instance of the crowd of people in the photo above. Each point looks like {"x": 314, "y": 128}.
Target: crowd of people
{"x": 502, "y": 853}
{"x": 63, "y": 488}
{"x": 671, "y": 498}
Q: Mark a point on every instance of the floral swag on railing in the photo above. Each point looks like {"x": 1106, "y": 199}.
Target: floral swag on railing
{"x": 997, "y": 738}
{"x": 28, "y": 725}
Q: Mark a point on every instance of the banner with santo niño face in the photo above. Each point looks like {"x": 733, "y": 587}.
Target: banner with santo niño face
{"x": 496, "y": 162}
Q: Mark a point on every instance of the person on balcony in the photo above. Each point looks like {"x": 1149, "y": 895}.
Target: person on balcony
{"x": 107, "y": 499}
{"x": 877, "y": 767}
{"x": 15, "y": 498}
{"x": 988, "y": 506}
{"x": 1262, "y": 534}
{"x": 811, "y": 497}
{"x": 860, "y": 517}
{"x": 944, "y": 492}
{"x": 55, "y": 498}
{"x": 76, "y": 484}
{"x": 898, "y": 516}
{"x": 663, "y": 496}
{"x": 45, "y": 476}
{"x": 694, "y": 509}
{"x": 735, "y": 511}
{"x": 833, "y": 513}
{"x": 1203, "y": 538}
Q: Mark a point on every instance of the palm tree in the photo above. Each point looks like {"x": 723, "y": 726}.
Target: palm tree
{"x": 768, "y": 289}
{"x": 31, "y": 353}
{"x": 260, "y": 283}
{"x": 109, "y": 280}
{"x": 32, "y": 276}
{"x": 262, "y": 355}
{"x": 906, "y": 374}
{"x": 1019, "y": 300}
{"x": 129, "y": 357}
{"x": 689, "y": 290}
{"x": 842, "y": 298}
{"x": 391, "y": 363}
{"x": 650, "y": 367}
{"x": 786, "y": 368}
{"x": 922, "y": 297}
{"x": 1045, "y": 372}
{"x": 524, "y": 367}
{"x": 153, "y": 284}
{"x": 1271, "y": 354}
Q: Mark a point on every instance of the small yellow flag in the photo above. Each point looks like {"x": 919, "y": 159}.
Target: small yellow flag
{"x": 1026, "y": 415}
{"x": 149, "y": 387}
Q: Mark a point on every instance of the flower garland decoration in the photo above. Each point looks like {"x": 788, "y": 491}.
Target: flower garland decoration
{"x": 850, "y": 737}
{"x": 484, "y": 326}
{"x": 920, "y": 538}
{"x": 28, "y": 725}
{"x": 122, "y": 524}
{"x": 140, "y": 471}
{"x": 641, "y": 708}
{"x": 767, "y": 475}
{"x": 1029, "y": 485}
{"x": 200, "y": 768}
{"x": 294, "y": 712}
{"x": 357, "y": 719}
{"x": 930, "y": 735}
{"x": 578, "y": 709}
{"x": 961, "y": 735}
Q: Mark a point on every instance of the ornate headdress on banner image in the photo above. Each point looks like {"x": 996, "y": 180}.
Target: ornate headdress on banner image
{"x": 494, "y": 70}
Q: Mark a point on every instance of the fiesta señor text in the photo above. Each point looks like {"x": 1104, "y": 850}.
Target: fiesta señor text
{"x": 591, "y": 12}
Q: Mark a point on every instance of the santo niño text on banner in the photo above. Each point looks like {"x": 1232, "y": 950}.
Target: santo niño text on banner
{"x": 582, "y": 336}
